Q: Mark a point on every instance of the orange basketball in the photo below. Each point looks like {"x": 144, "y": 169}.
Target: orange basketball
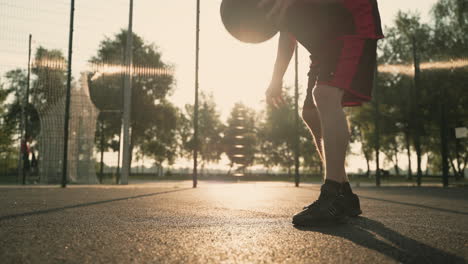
{"x": 246, "y": 22}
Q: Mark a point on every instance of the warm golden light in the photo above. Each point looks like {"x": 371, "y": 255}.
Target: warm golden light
{"x": 239, "y": 156}
{"x": 239, "y": 146}
{"x": 110, "y": 69}
{"x": 239, "y": 137}
{"x": 106, "y": 69}
{"x": 408, "y": 69}
{"x": 50, "y": 64}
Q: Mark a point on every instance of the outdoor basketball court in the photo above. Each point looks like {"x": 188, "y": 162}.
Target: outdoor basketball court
{"x": 171, "y": 222}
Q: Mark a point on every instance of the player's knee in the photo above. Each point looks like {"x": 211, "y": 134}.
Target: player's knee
{"x": 327, "y": 96}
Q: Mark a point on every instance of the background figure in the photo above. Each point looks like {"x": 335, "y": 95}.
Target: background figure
{"x": 25, "y": 150}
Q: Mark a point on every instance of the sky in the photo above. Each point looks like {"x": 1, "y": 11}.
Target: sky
{"x": 230, "y": 70}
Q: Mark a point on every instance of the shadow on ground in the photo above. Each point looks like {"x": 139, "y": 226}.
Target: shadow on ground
{"x": 376, "y": 236}
{"x": 58, "y": 209}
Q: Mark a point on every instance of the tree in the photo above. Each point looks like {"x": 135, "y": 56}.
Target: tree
{"x": 308, "y": 151}
{"x": 150, "y": 88}
{"x": 362, "y": 130}
{"x": 6, "y": 129}
{"x": 210, "y": 131}
{"x": 16, "y": 80}
{"x": 160, "y": 141}
{"x": 450, "y": 42}
{"x": 276, "y": 137}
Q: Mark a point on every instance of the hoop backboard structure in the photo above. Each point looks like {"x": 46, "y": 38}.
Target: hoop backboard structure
{"x": 83, "y": 116}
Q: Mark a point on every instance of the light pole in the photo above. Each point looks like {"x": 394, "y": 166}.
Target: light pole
{"x": 127, "y": 107}
{"x": 296, "y": 115}
{"x": 195, "y": 113}
{"x": 67, "y": 98}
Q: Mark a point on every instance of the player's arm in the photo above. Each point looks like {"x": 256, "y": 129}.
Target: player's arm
{"x": 286, "y": 46}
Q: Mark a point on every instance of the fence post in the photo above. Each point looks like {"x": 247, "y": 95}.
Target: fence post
{"x": 195, "y": 113}
{"x": 127, "y": 107}
{"x": 296, "y": 115}
{"x": 67, "y": 98}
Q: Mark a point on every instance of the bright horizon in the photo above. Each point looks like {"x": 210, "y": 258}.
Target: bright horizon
{"x": 230, "y": 70}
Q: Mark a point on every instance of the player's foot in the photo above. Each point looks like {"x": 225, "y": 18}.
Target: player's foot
{"x": 352, "y": 204}
{"x": 328, "y": 209}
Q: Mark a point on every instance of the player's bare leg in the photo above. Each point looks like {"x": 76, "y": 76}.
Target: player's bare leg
{"x": 335, "y": 131}
{"x": 311, "y": 117}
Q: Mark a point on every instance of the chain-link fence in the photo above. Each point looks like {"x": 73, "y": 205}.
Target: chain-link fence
{"x": 419, "y": 103}
{"x": 34, "y": 70}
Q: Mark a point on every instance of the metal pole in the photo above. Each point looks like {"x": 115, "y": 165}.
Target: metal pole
{"x": 117, "y": 180}
{"x": 195, "y": 113}
{"x": 23, "y": 122}
{"x": 28, "y": 84}
{"x": 26, "y": 103}
{"x": 417, "y": 127}
{"x": 127, "y": 101}
{"x": 68, "y": 95}
{"x": 101, "y": 168}
{"x": 296, "y": 115}
{"x": 377, "y": 129}
{"x": 443, "y": 138}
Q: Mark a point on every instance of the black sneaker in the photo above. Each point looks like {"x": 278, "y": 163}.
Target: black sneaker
{"x": 352, "y": 205}
{"x": 328, "y": 209}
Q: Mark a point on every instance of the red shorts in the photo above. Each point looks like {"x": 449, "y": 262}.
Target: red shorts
{"x": 348, "y": 64}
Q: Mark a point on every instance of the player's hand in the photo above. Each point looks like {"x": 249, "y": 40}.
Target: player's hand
{"x": 279, "y": 8}
{"x": 274, "y": 94}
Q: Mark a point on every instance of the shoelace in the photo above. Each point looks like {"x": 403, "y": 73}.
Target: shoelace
{"x": 316, "y": 203}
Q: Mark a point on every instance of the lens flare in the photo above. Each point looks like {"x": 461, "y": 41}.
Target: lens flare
{"x": 101, "y": 69}
{"x": 408, "y": 69}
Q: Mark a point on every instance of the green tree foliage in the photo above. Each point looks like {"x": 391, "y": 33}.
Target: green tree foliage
{"x": 6, "y": 130}
{"x": 450, "y": 42}
{"x": 409, "y": 107}
{"x": 210, "y": 131}
{"x": 49, "y": 83}
{"x": 47, "y": 88}
{"x": 277, "y": 134}
{"x": 16, "y": 80}
{"x": 308, "y": 151}
{"x": 362, "y": 130}
{"x": 149, "y": 92}
{"x": 160, "y": 140}
{"x": 451, "y": 24}
{"x": 48, "y": 80}
{"x": 8, "y": 152}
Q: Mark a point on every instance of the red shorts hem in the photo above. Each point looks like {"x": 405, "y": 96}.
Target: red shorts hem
{"x": 347, "y": 89}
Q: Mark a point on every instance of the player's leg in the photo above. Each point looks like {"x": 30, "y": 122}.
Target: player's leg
{"x": 310, "y": 114}
{"x": 353, "y": 72}
{"x": 330, "y": 206}
{"x": 311, "y": 117}
{"x": 335, "y": 131}
{"x": 345, "y": 79}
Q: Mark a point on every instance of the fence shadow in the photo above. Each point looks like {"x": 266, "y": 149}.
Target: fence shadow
{"x": 58, "y": 209}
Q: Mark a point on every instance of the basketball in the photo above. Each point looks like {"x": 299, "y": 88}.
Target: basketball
{"x": 246, "y": 22}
